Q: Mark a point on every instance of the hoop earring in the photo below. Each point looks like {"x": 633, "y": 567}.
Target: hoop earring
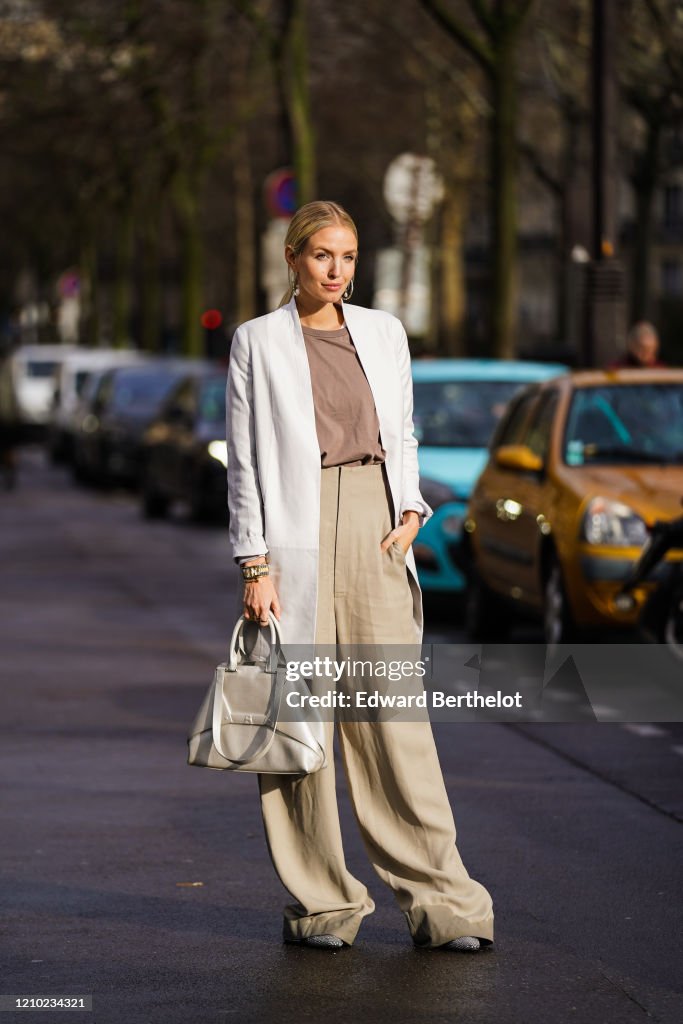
{"x": 346, "y": 295}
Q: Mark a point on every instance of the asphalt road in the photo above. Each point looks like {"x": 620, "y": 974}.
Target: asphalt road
{"x": 129, "y": 876}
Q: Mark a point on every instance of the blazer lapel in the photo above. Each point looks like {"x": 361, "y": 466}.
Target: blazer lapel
{"x": 372, "y": 354}
{"x": 297, "y": 366}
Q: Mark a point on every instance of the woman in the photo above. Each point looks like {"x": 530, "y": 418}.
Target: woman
{"x": 325, "y": 503}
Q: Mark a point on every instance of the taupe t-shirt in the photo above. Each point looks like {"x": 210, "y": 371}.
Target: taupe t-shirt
{"x": 345, "y": 415}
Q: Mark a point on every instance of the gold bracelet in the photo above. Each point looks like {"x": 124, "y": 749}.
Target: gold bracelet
{"x": 254, "y": 572}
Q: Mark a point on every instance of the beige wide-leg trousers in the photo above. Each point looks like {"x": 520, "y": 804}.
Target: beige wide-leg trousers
{"x": 392, "y": 769}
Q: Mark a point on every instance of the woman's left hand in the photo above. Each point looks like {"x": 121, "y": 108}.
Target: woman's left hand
{"x": 404, "y": 534}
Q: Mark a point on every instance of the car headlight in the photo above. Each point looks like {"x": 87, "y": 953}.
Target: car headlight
{"x": 89, "y": 424}
{"x": 611, "y": 522}
{"x": 219, "y": 450}
{"x": 435, "y": 493}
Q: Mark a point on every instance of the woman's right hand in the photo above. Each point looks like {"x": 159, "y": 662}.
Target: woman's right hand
{"x": 260, "y": 597}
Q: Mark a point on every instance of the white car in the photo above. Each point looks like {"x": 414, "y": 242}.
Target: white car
{"x": 70, "y": 378}
{"x": 33, "y": 369}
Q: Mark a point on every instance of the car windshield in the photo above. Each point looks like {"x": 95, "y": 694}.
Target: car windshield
{"x": 460, "y": 413}
{"x": 212, "y": 401}
{"x": 80, "y": 379}
{"x": 625, "y": 423}
{"x": 140, "y": 392}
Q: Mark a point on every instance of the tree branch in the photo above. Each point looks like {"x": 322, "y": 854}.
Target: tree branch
{"x": 483, "y": 16}
{"x": 439, "y": 65}
{"x": 541, "y": 172}
{"x": 262, "y": 25}
{"x": 518, "y": 15}
{"x": 474, "y": 45}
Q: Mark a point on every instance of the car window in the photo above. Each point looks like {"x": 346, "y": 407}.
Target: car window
{"x": 512, "y": 430}
{"x": 538, "y": 434}
{"x": 184, "y": 398}
{"x": 140, "y": 392}
{"x": 460, "y": 413}
{"x": 80, "y": 379}
{"x": 103, "y": 392}
{"x": 625, "y": 423}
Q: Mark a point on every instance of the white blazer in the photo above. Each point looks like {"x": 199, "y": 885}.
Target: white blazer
{"x": 274, "y": 457}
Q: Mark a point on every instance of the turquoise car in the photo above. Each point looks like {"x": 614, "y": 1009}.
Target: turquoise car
{"x": 457, "y": 403}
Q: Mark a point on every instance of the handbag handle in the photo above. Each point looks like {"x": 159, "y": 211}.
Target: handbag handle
{"x": 271, "y": 719}
{"x": 275, "y": 641}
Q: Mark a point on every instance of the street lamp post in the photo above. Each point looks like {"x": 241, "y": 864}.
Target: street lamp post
{"x": 605, "y": 327}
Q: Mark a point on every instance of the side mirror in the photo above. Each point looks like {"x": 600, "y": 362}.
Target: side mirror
{"x": 518, "y": 457}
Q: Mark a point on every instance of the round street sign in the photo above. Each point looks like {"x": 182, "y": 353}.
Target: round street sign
{"x": 280, "y": 193}
{"x": 412, "y": 188}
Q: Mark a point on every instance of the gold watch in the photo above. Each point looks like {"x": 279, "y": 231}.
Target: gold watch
{"x": 254, "y": 572}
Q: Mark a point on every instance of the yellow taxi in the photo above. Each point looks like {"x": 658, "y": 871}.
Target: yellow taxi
{"x": 579, "y": 467}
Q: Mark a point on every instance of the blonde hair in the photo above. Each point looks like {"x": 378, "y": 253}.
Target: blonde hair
{"x": 306, "y": 221}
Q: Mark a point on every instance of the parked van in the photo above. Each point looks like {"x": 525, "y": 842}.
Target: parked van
{"x": 69, "y": 381}
{"x": 33, "y": 368}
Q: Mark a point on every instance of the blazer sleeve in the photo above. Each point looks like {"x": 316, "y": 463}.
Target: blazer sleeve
{"x": 410, "y": 494}
{"x": 245, "y": 499}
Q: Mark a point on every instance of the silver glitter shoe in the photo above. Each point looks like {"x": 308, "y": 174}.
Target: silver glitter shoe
{"x": 465, "y": 944}
{"x": 323, "y": 941}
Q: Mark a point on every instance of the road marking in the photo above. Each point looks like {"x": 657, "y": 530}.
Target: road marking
{"x": 643, "y": 729}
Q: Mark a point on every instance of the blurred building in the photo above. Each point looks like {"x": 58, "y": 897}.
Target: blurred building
{"x": 554, "y": 241}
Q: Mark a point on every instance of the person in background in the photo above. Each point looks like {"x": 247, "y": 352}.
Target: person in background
{"x": 642, "y": 350}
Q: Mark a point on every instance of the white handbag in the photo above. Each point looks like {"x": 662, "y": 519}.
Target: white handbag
{"x": 238, "y": 726}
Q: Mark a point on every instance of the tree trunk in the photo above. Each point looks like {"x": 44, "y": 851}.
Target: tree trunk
{"x": 298, "y": 102}
{"x": 452, "y": 285}
{"x": 567, "y": 229}
{"x": 90, "y": 314}
{"x": 245, "y": 228}
{"x": 150, "y": 282}
{"x": 503, "y": 152}
{"x": 124, "y": 276}
{"x": 645, "y": 185}
{"x": 193, "y": 280}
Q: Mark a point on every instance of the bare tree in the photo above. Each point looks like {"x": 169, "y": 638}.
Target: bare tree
{"x": 494, "y": 46}
{"x": 652, "y": 84}
{"x": 284, "y": 28}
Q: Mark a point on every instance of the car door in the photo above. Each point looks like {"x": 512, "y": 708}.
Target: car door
{"x": 175, "y": 453}
{"x": 501, "y": 508}
{"x": 532, "y": 493}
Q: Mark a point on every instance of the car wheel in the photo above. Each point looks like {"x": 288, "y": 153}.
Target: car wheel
{"x": 154, "y": 504}
{"x": 55, "y": 450}
{"x": 80, "y": 469}
{"x": 558, "y": 624}
{"x": 203, "y": 506}
{"x": 200, "y": 511}
{"x": 483, "y": 619}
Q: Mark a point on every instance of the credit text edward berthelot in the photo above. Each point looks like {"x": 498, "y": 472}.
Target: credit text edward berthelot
{"x": 393, "y": 671}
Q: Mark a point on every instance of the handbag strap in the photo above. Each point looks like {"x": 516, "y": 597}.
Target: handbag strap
{"x": 270, "y": 720}
{"x": 237, "y": 642}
